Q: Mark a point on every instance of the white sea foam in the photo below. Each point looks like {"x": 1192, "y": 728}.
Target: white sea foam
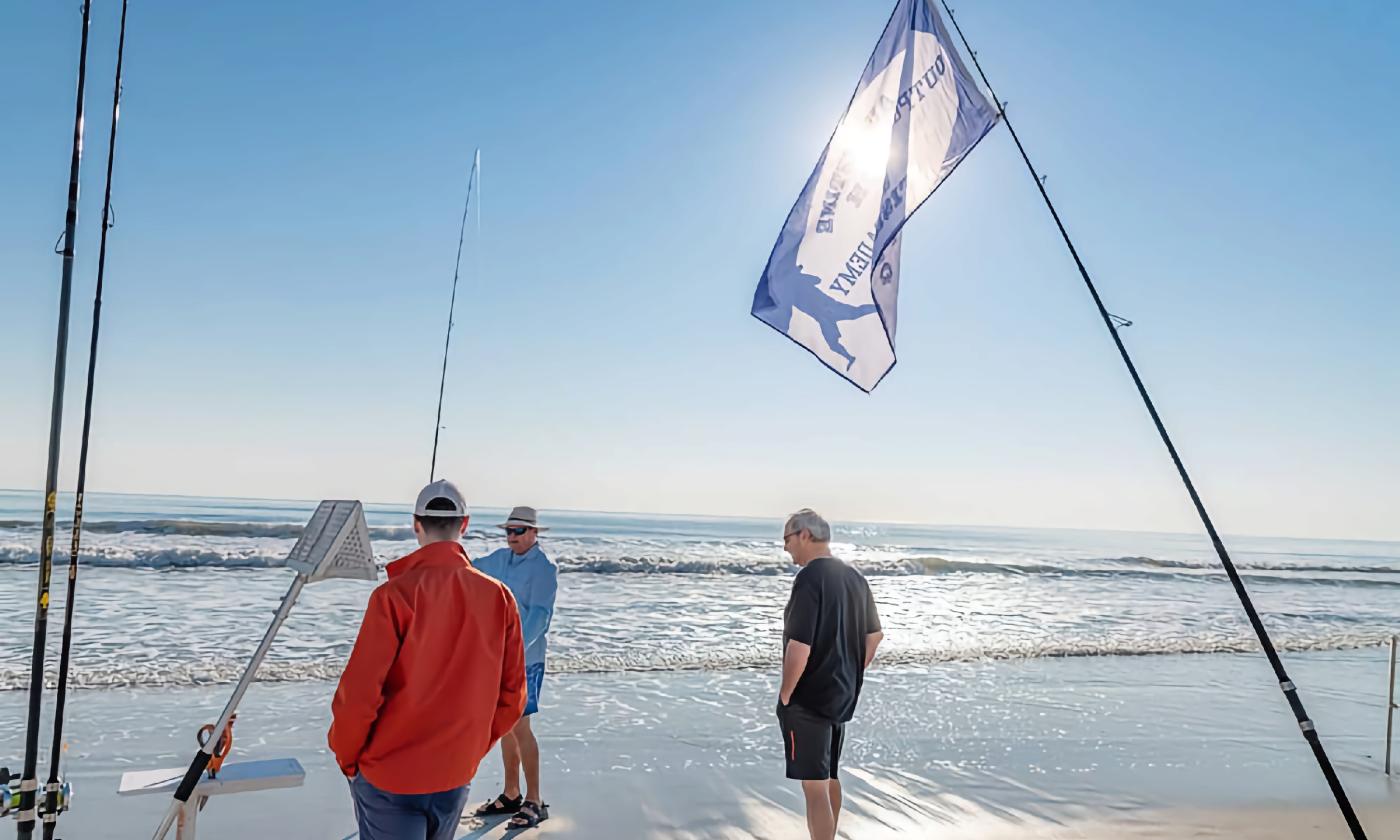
{"x": 177, "y": 592}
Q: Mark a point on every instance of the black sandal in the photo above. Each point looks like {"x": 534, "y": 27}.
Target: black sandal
{"x": 529, "y": 815}
{"x": 501, "y": 805}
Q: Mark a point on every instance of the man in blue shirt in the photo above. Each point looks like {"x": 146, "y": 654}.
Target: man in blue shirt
{"x": 533, "y": 579}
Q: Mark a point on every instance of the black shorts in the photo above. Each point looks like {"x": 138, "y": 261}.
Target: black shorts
{"x": 811, "y": 744}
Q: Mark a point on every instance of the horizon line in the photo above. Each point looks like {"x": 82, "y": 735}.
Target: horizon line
{"x": 752, "y": 517}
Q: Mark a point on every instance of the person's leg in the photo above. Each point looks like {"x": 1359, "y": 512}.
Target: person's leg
{"x": 445, "y": 812}
{"x": 833, "y": 787}
{"x": 529, "y": 751}
{"x": 808, "y": 750}
{"x": 527, "y": 747}
{"x": 838, "y": 740}
{"x": 533, "y": 810}
{"x": 821, "y": 819}
{"x": 513, "y": 749}
{"x": 386, "y": 816}
{"x": 510, "y": 757}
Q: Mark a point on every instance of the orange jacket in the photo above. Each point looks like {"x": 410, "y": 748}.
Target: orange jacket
{"x": 437, "y": 675}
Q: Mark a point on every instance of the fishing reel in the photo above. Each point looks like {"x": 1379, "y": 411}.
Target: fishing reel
{"x": 9, "y": 796}
{"x": 221, "y": 748}
{"x": 65, "y": 799}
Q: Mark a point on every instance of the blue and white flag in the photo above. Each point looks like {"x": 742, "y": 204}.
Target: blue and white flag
{"x": 833, "y": 276}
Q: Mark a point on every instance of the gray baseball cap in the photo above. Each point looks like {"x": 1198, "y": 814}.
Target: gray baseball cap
{"x": 441, "y": 489}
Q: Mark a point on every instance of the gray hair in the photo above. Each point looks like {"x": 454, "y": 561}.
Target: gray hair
{"x": 810, "y": 521}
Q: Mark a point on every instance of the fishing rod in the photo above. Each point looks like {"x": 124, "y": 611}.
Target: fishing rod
{"x": 29, "y": 785}
{"x": 1290, "y": 691}
{"x": 472, "y": 184}
{"x": 55, "y": 799}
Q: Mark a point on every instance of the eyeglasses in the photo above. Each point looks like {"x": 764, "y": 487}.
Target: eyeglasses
{"x": 517, "y": 532}
{"x": 789, "y": 535}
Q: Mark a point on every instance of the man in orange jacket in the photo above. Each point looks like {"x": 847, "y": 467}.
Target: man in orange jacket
{"x": 437, "y": 676}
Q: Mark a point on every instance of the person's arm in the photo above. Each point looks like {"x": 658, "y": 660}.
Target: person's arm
{"x": 800, "y": 628}
{"x": 361, "y": 689}
{"x": 873, "y": 630}
{"x": 510, "y": 703}
{"x": 872, "y": 641}
{"x": 794, "y": 663}
{"x": 538, "y": 611}
{"x": 484, "y": 562}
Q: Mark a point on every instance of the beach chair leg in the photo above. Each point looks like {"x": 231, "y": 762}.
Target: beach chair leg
{"x": 189, "y": 815}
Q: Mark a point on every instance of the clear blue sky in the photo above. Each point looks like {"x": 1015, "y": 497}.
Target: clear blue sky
{"x": 290, "y": 177}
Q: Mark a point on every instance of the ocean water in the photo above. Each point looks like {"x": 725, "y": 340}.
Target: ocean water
{"x": 177, "y": 591}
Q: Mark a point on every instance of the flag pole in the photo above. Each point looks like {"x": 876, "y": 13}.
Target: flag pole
{"x": 29, "y": 782}
{"x": 1290, "y": 691}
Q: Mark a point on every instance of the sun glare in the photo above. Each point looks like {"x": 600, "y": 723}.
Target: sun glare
{"x": 867, "y": 148}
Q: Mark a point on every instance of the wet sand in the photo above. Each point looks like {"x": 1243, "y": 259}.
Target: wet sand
{"x": 1093, "y": 748}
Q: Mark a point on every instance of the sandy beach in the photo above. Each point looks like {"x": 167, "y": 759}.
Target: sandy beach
{"x": 1034, "y": 683}
{"x": 1089, "y": 747}
{"x": 1039, "y": 684}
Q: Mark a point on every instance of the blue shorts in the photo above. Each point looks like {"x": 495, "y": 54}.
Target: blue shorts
{"x": 534, "y": 683}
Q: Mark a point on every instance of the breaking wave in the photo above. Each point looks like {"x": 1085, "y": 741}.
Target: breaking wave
{"x": 195, "y": 528}
{"x": 731, "y": 560}
{"x": 164, "y": 673}
{"x": 185, "y": 557}
{"x": 1214, "y": 565}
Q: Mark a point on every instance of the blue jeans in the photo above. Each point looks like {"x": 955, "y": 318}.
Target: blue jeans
{"x": 406, "y": 816}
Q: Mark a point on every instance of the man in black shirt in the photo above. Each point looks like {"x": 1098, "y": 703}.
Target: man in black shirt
{"x": 830, "y": 632}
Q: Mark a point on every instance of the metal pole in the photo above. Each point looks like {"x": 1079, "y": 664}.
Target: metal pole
{"x": 29, "y": 781}
{"x": 1286, "y": 685}
{"x": 201, "y": 758}
{"x": 1390, "y": 706}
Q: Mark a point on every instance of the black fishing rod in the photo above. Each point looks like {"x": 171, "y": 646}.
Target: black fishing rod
{"x": 1290, "y": 691}
{"x": 52, "y": 803}
{"x": 456, "y": 272}
{"x": 29, "y": 785}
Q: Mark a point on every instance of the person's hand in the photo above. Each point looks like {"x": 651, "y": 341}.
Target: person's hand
{"x": 784, "y": 700}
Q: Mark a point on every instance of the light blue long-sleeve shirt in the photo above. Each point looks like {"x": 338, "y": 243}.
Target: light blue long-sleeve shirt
{"x": 534, "y": 580}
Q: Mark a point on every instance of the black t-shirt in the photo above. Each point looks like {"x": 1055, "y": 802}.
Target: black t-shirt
{"x": 830, "y": 609}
